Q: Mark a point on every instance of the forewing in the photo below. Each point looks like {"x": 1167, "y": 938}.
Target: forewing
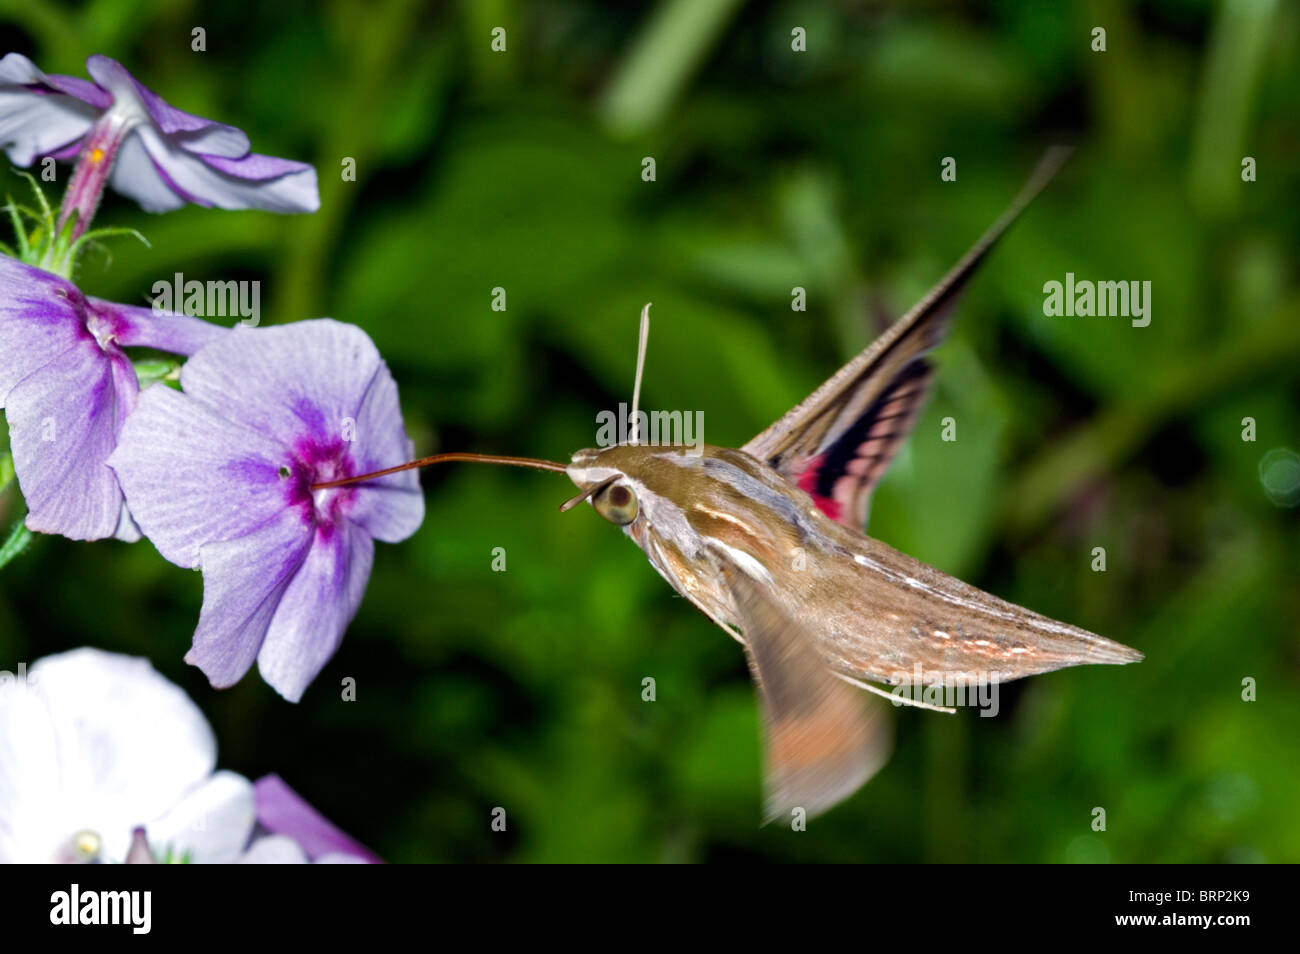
{"x": 888, "y": 617}
{"x": 808, "y": 444}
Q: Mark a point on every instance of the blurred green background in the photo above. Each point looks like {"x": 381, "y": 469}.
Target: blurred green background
{"x": 775, "y": 169}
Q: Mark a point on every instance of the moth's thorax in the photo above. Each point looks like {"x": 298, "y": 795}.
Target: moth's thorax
{"x": 698, "y": 502}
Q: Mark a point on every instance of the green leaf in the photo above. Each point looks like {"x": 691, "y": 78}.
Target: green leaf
{"x": 669, "y": 49}
{"x": 18, "y": 540}
{"x": 149, "y": 372}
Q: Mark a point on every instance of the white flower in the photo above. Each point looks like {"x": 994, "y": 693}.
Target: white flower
{"x": 94, "y": 745}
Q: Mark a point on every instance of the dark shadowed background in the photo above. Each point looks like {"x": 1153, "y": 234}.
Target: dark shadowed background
{"x": 775, "y": 169}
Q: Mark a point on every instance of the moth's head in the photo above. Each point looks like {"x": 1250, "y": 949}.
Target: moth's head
{"x": 613, "y": 479}
{"x": 630, "y": 482}
{"x": 651, "y": 481}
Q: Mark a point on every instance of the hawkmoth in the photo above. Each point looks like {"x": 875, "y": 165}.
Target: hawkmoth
{"x": 767, "y": 541}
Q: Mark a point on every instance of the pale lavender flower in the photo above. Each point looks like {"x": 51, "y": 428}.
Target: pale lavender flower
{"x": 66, "y": 387}
{"x": 146, "y": 149}
{"x": 220, "y": 477}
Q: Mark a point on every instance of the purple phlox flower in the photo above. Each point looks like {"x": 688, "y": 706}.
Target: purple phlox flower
{"x": 66, "y": 388}
{"x": 104, "y": 760}
{"x": 143, "y": 147}
{"x": 220, "y": 477}
{"x": 298, "y": 832}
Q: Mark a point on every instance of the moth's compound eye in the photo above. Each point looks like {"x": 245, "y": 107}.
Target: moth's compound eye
{"x": 617, "y": 504}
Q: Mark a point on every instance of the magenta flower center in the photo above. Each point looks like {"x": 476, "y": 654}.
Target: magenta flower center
{"x": 317, "y": 462}
{"x": 103, "y": 326}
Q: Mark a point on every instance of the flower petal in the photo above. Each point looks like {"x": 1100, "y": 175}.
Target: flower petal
{"x": 39, "y": 120}
{"x": 283, "y": 811}
{"x": 127, "y": 530}
{"x": 63, "y": 425}
{"x": 19, "y": 70}
{"x": 274, "y": 850}
{"x": 390, "y": 508}
{"x": 192, "y": 477}
{"x": 37, "y": 811}
{"x": 307, "y": 378}
{"x": 135, "y": 177}
{"x": 244, "y": 581}
{"x": 252, "y": 182}
{"x": 199, "y": 134}
{"x": 211, "y": 824}
{"x": 134, "y": 326}
{"x": 127, "y": 386}
{"x": 316, "y": 608}
{"x": 38, "y": 321}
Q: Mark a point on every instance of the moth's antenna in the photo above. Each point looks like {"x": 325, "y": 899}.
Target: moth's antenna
{"x": 640, "y": 367}
{"x": 532, "y": 462}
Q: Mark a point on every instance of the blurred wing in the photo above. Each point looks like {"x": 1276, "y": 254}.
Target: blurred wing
{"x": 837, "y": 443}
{"x": 822, "y": 740}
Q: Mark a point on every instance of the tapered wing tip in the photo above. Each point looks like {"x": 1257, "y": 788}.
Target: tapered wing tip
{"x": 1110, "y": 653}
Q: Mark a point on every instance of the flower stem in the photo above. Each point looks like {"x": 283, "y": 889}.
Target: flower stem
{"x": 94, "y": 164}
